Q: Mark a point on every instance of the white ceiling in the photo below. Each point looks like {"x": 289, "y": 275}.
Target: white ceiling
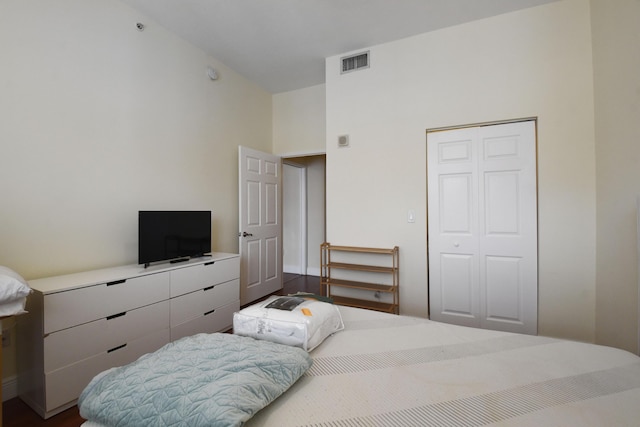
{"x": 281, "y": 44}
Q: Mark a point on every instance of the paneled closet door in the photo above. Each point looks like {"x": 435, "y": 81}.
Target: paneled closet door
{"x": 482, "y": 206}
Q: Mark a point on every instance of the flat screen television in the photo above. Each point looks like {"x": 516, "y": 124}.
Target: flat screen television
{"x": 173, "y": 235}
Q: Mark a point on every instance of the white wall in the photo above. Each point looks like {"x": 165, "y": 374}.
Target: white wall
{"x": 98, "y": 121}
{"x": 293, "y": 215}
{"x": 316, "y": 171}
{"x": 616, "y": 37}
{"x": 535, "y": 62}
{"x": 299, "y": 130}
{"x": 299, "y": 121}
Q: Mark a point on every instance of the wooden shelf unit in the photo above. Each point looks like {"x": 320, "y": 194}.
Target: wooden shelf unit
{"x": 378, "y": 261}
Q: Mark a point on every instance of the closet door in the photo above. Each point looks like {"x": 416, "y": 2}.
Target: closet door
{"x": 483, "y": 226}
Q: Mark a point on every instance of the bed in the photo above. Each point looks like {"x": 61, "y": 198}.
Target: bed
{"x": 388, "y": 370}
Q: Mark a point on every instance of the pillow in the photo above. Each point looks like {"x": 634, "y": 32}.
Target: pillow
{"x": 293, "y": 321}
{"x": 13, "y": 308}
{"x": 12, "y": 286}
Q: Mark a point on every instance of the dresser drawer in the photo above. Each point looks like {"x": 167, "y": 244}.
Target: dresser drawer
{"x": 72, "y": 345}
{"x": 65, "y": 385}
{"x": 219, "y": 320}
{"x": 190, "y": 279}
{"x": 81, "y": 305}
{"x": 195, "y": 304}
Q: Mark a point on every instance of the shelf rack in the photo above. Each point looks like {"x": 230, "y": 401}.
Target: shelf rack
{"x": 382, "y": 262}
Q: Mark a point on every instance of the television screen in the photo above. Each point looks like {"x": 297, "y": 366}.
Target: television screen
{"x": 173, "y": 235}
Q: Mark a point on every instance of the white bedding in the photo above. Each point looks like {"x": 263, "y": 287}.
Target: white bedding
{"x": 13, "y": 292}
{"x": 387, "y": 370}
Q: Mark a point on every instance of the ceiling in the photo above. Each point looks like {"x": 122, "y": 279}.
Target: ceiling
{"x": 281, "y": 44}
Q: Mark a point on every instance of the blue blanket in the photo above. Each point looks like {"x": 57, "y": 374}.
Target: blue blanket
{"x": 203, "y": 380}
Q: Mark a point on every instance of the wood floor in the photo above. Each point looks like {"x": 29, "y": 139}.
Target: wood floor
{"x": 16, "y": 413}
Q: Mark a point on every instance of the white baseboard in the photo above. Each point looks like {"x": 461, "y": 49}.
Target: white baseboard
{"x": 9, "y": 388}
{"x": 313, "y": 271}
{"x": 293, "y": 269}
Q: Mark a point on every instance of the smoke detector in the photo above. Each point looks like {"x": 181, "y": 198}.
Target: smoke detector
{"x": 211, "y": 72}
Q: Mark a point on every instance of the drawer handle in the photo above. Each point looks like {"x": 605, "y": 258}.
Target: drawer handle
{"x": 117, "y": 348}
{"x": 209, "y": 312}
{"x": 209, "y": 263}
{"x": 113, "y": 316}
{"x": 116, "y": 282}
{"x": 208, "y": 288}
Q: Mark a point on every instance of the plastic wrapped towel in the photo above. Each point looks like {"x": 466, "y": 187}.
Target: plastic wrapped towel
{"x": 293, "y": 321}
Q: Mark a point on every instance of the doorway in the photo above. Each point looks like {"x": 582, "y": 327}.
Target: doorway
{"x": 294, "y": 218}
{"x": 302, "y": 239}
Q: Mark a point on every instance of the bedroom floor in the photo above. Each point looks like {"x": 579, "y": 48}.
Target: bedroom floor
{"x": 15, "y": 413}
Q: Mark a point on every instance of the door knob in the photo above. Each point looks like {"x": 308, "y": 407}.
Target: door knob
{"x": 245, "y": 234}
{"x": 456, "y": 244}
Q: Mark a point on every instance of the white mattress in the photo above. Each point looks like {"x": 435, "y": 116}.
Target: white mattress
{"x": 387, "y": 370}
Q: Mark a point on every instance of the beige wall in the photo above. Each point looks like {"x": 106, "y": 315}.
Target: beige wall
{"x": 616, "y": 38}
{"x": 299, "y": 130}
{"x": 535, "y": 62}
{"x": 299, "y": 122}
{"x": 98, "y": 121}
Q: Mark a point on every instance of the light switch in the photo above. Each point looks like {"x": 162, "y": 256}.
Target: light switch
{"x": 411, "y": 216}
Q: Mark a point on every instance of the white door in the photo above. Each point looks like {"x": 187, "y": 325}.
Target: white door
{"x": 482, "y": 207}
{"x": 260, "y": 224}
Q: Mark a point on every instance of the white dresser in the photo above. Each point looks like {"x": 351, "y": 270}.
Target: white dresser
{"x": 81, "y": 324}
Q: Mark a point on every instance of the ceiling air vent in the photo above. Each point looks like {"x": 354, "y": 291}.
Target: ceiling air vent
{"x": 355, "y": 62}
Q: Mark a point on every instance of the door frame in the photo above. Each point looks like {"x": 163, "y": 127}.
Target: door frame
{"x": 638, "y": 243}
{"x": 490, "y": 123}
